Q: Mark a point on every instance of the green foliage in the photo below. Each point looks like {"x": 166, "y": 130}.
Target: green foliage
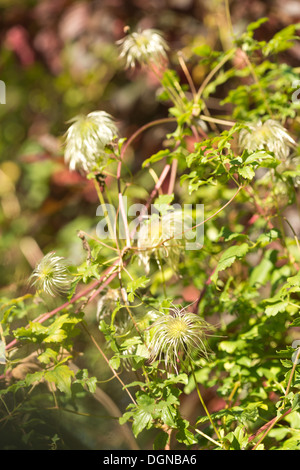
{"x": 245, "y": 274}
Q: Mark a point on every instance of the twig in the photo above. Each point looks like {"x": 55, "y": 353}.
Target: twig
{"x": 213, "y": 72}
{"x": 173, "y": 176}
{"x": 86, "y": 246}
{"x": 107, "y": 362}
{"x": 77, "y": 297}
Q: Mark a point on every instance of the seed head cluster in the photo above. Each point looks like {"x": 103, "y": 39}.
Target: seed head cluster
{"x": 269, "y": 135}
{"x": 163, "y": 237}
{"x": 86, "y": 139}
{"x": 176, "y": 336}
{"x": 51, "y": 275}
{"x": 143, "y": 47}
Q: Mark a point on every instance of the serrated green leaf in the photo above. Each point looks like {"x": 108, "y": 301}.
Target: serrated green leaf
{"x": 184, "y": 436}
{"x": 61, "y": 376}
{"x": 30, "y": 379}
{"x": 141, "y": 420}
{"x": 47, "y": 356}
{"x": 247, "y": 172}
{"x": 138, "y": 283}
{"x": 275, "y": 308}
{"x": 228, "y": 258}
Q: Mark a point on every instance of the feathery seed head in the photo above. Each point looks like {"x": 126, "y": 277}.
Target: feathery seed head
{"x": 270, "y": 135}
{"x": 143, "y": 47}
{"x": 176, "y": 336}
{"x": 164, "y": 237}
{"x": 107, "y": 303}
{"x": 51, "y": 275}
{"x": 86, "y": 140}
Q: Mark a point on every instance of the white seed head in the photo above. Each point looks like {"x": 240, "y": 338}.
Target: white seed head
{"x": 51, "y": 275}
{"x": 270, "y": 135}
{"x": 107, "y": 303}
{"x": 176, "y": 336}
{"x": 86, "y": 139}
{"x": 162, "y": 237}
{"x": 143, "y": 47}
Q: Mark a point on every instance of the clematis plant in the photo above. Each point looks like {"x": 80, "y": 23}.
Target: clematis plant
{"x": 216, "y": 321}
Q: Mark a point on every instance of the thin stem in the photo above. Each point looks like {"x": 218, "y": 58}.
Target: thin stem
{"x": 163, "y": 276}
{"x": 121, "y": 203}
{"x": 292, "y": 229}
{"x": 236, "y": 386}
{"x": 227, "y": 9}
{"x": 82, "y": 232}
{"x": 76, "y": 297}
{"x": 187, "y": 74}
{"x": 282, "y": 230}
{"x": 202, "y": 402}
{"x": 213, "y": 72}
{"x": 217, "y": 212}
{"x": 217, "y": 121}
{"x": 152, "y": 195}
{"x": 256, "y": 80}
{"x": 278, "y": 418}
{"x": 173, "y": 176}
{"x": 102, "y": 202}
{"x": 155, "y": 178}
{"x": 142, "y": 129}
{"x": 107, "y": 362}
{"x": 208, "y": 437}
{"x": 295, "y": 363}
{"x": 267, "y": 425}
{"x": 124, "y": 148}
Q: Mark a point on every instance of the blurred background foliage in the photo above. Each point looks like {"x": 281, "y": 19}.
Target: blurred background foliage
{"x": 58, "y": 58}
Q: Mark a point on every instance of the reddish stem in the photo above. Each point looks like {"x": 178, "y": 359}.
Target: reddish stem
{"x": 76, "y": 297}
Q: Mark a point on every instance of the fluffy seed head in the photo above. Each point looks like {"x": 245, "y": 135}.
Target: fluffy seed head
{"x": 143, "y": 47}
{"x": 176, "y": 336}
{"x": 51, "y": 275}
{"x": 163, "y": 237}
{"x": 270, "y": 135}
{"x": 86, "y": 139}
{"x": 107, "y": 303}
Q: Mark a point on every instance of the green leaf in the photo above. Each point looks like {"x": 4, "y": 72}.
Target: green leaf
{"x": 47, "y": 356}
{"x": 260, "y": 274}
{"x": 266, "y": 238}
{"x": 256, "y": 24}
{"x": 61, "y": 376}
{"x": 184, "y": 436}
{"x": 141, "y": 420}
{"x": 83, "y": 378}
{"x": 156, "y": 157}
{"x": 115, "y": 362}
{"x": 247, "y": 172}
{"x": 277, "y": 307}
{"x": 203, "y": 51}
{"x": 162, "y": 203}
{"x": 237, "y": 439}
{"x": 232, "y": 346}
{"x": 56, "y": 332}
{"x": 228, "y": 258}
{"x": 167, "y": 416}
{"x": 282, "y": 40}
{"x": 138, "y": 283}
{"x": 36, "y": 377}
